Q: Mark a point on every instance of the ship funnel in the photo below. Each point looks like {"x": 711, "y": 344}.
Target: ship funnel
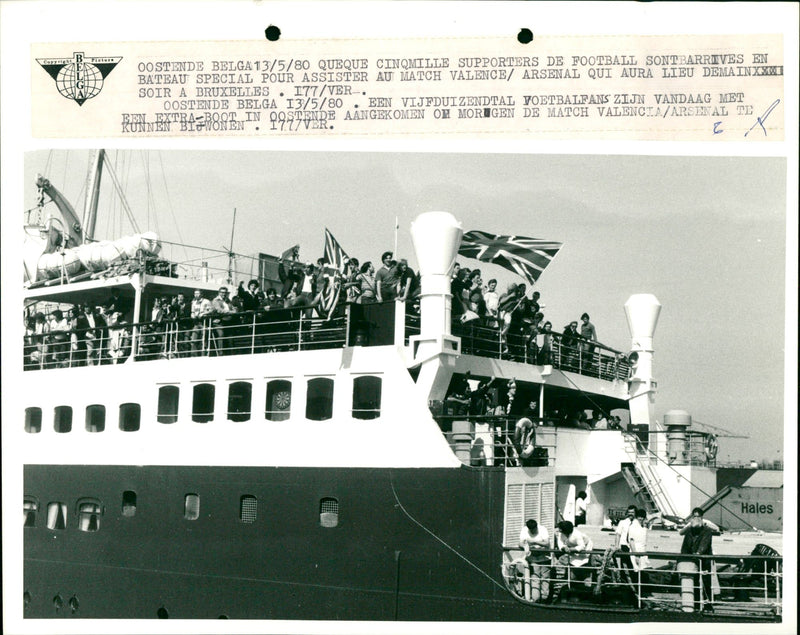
{"x": 436, "y": 237}
{"x": 642, "y": 310}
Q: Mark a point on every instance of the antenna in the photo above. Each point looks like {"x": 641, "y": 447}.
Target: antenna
{"x": 231, "y": 255}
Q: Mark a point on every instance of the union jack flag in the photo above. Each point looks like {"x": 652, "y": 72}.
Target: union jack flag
{"x": 334, "y": 254}
{"x": 526, "y": 257}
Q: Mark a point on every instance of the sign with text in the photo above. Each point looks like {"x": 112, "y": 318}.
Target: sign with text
{"x": 684, "y": 88}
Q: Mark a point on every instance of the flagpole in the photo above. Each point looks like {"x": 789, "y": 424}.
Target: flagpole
{"x": 396, "y": 227}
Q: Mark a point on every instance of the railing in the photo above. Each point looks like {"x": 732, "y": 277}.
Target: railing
{"x": 485, "y": 441}
{"x": 721, "y": 584}
{"x": 640, "y": 457}
{"x": 591, "y": 359}
{"x": 216, "y": 335}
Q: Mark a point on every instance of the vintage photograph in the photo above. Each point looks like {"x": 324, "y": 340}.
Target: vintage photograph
{"x": 402, "y": 386}
{"x": 399, "y": 317}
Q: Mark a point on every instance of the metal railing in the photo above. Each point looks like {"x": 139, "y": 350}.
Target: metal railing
{"x": 216, "y": 335}
{"x": 738, "y": 585}
{"x": 486, "y": 441}
{"x": 591, "y": 359}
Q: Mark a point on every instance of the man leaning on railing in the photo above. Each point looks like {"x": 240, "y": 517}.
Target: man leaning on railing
{"x": 201, "y": 309}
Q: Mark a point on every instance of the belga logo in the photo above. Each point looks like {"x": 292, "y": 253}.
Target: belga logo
{"x": 79, "y": 78}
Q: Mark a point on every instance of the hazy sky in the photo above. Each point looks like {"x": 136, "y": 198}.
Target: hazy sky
{"x": 706, "y": 236}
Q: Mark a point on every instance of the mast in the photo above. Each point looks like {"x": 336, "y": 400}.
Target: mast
{"x": 92, "y": 196}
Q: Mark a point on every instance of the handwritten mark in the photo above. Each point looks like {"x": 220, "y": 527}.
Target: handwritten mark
{"x": 717, "y": 129}
{"x": 760, "y": 120}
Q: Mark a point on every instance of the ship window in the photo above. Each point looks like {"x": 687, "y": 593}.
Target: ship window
{"x": 239, "y": 395}
{"x": 203, "y": 403}
{"x": 328, "y": 512}
{"x": 130, "y": 416}
{"x": 89, "y": 512}
{"x": 279, "y": 400}
{"x": 191, "y": 507}
{"x": 33, "y": 420}
{"x": 128, "y": 503}
{"x": 248, "y": 509}
{"x": 56, "y": 515}
{"x": 367, "y": 397}
{"x": 168, "y": 397}
{"x": 63, "y": 419}
{"x": 319, "y": 400}
{"x": 30, "y": 509}
{"x": 95, "y": 418}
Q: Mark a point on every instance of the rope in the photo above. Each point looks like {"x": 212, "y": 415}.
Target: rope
{"x": 442, "y": 542}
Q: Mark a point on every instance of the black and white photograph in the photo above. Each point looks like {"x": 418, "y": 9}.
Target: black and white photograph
{"x": 399, "y": 317}
{"x": 517, "y": 388}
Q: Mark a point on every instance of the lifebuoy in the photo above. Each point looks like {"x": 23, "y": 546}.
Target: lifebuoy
{"x": 712, "y": 447}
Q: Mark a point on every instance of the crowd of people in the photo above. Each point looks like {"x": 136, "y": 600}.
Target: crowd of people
{"x": 518, "y": 320}
{"x": 92, "y": 334}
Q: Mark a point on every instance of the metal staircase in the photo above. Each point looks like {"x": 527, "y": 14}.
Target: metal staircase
{"x": 644, "y": 483}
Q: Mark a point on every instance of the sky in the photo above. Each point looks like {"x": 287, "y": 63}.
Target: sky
{"x": 705, "y": 235}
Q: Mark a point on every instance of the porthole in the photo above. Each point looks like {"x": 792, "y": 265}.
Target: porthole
{"x": 30, "y": 510}
{"x": 89, "y": 512}
{"x": 367, "y": 397}
{"x": 203, "y": 403}
{"x": 56, "y": 516}
{"x": 248, "y": 509}
{"x": 128, "y": 503}
{"x": 130, "y": 416}
{"x": 191, "y": 507}
{"x": 319, "y": 399}
{"x": 168, "y": 398}
{"x": 329, "y": 512}
{"x": 62, "y": 419}
{"x": 239, "y": 397}
{"x": 95, "y": 418}
{"x": 279, "y": 400}
{"x": 33, "y": 420}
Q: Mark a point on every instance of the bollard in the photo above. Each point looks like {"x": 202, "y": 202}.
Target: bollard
{"x": 687, "y": 572}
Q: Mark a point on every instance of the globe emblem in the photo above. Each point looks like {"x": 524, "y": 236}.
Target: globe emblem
{"x": 79, "y": 85}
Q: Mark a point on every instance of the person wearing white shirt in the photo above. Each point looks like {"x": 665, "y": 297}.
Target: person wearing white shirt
{"x": 637, "y": 540}
{"x": 623, "y": 527}
{"x": 535, "y": 540}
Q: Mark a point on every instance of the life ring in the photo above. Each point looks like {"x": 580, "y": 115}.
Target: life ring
{"x": 712, "y": 447}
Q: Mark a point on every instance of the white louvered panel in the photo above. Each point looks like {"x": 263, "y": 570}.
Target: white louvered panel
{"x": 513, "y": 514}
{"x": 548, "y": 506}
{"x": 532, "y": 501}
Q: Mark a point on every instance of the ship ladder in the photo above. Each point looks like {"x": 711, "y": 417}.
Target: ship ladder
{"x": 640, "y": 488}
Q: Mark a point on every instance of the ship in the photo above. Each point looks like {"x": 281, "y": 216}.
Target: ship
{"x": 332, "y": 467}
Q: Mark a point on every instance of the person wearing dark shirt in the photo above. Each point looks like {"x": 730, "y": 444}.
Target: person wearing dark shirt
{"x": 251, "y": 297}
{"x": 386, "y": 279}
{"x": 697, "y": 537}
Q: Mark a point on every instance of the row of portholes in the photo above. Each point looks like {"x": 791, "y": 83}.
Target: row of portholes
{"x": 89, "y": 511}
{"x": 319, "y": 405}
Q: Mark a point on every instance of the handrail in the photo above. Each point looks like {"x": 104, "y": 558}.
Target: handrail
{"x": 586, "y": 357}
{"x": 240, "y": 333}
{"x": 724, "y": 584}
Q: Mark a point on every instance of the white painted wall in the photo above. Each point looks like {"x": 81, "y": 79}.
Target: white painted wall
{"x": 405, "y": 435}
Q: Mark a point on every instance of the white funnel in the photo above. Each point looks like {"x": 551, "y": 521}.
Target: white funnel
{"x": 642, "y": 310}
{"x": 436, "y": 237}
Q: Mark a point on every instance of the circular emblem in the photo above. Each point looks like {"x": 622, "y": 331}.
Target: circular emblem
{"x": 283, "y": 399}
{"x": 79, "y": 82}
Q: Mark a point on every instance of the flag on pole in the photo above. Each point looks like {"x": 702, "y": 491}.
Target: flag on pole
{"x": 334, "y": 254}
{"x": 526, "y": 257}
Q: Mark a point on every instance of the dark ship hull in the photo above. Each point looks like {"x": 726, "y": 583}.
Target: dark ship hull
{"x": 410, "y": 544}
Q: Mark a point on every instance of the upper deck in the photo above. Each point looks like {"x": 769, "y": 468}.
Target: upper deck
{"x": 279, "y": 329}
